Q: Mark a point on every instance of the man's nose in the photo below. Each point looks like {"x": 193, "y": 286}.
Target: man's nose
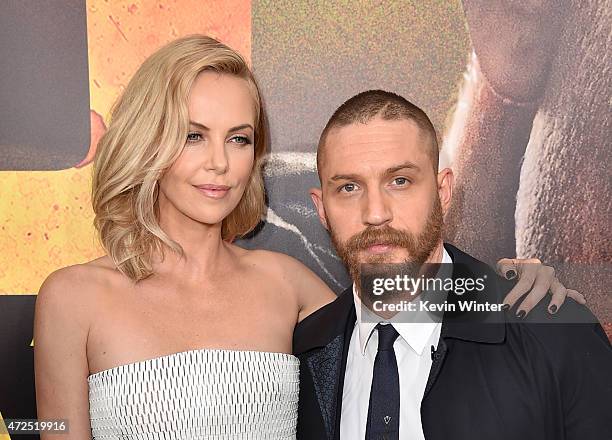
{"x": 216, "y": 157}
{"x": 376, "y": 210}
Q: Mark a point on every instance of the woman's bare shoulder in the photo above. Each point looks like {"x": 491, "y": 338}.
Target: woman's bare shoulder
{"x": 311, "y": 291}
{"x": 76, "y": 285}
{"x": 91, "y": 273}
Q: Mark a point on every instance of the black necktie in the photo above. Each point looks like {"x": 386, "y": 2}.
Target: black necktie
{"x": 383, "y": 412}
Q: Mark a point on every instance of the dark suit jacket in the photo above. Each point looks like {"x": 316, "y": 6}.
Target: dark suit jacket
{"x": 492, "y": 377}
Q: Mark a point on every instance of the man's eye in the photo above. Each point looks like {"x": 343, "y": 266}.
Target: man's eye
{"x": 194, "y": 137}
{"x": 242, "y": 140}
{"x": 349, "y": 187}
{"x": 401, "y": 181}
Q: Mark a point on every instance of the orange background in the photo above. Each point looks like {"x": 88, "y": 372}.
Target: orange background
{"x": 46, "y": 221}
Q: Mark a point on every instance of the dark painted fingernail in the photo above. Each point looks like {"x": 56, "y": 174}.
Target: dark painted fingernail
{"x": 511, "y": 274}
{"x": 553, "y": 309}
{"x": 505, "y": 307}
{"x": 521, "y": 314}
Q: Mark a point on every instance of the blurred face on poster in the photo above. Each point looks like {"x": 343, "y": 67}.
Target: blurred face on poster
{"x": 210, "y": 176}
{"x": 381, "y": 198}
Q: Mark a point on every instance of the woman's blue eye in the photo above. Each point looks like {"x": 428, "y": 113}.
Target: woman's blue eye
{"x": 193, "y": 137}
{"x": 243, "y": 140}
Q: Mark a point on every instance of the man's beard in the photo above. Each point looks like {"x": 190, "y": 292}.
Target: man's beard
{"x": 418, "y": 246}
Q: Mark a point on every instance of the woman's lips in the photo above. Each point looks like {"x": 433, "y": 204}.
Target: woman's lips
{"x": 213, "y": 191}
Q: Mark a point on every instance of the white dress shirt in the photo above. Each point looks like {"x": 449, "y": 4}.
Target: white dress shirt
{"x": 413, "y": 354}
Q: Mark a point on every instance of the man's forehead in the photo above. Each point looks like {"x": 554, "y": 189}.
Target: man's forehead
{"x": 378, "y": 145}
{"x": 376, "y": 127}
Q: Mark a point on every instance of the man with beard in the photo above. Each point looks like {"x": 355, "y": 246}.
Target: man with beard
{"x": 369, "y": 375}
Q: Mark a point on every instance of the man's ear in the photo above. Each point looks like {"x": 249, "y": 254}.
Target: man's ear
{"x": 317, "y": 198}
{"x": 446, "y": 180}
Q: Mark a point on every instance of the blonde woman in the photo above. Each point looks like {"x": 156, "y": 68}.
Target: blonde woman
{"x": 176, "y": 332}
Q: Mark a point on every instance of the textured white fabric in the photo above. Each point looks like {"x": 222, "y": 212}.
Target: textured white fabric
{"x": 197, "y": 394}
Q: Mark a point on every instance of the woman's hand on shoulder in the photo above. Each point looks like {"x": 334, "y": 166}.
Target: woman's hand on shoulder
{"x": 61, "y": 326}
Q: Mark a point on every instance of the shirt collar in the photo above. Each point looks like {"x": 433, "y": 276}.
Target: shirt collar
{"x": 416, "y": 334}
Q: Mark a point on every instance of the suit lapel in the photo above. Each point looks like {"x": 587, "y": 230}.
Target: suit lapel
{"x": 348, "y": 331}
{"x": 468, "y": 327}
{"x": 324, "y": 367}
{"x": 436, "y": 364}
{"x": 324, "y": 353}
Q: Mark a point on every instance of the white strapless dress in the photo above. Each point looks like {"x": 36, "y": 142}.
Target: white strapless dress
{"x": 197, "y": 394}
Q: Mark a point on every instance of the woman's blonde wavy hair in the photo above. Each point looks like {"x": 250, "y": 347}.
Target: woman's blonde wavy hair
{"x": 146, "y": 134}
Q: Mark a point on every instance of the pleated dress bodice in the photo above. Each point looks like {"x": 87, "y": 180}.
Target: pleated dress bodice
{"x": 197, "y": 394}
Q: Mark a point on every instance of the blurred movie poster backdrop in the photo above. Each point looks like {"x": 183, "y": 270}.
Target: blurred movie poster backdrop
{"x": 519, "y": 92}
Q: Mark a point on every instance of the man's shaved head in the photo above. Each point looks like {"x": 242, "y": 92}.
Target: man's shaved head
{"x": 365, "y": 106}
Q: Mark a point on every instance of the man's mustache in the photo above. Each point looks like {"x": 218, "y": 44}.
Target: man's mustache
{"x": 385, "y": 235}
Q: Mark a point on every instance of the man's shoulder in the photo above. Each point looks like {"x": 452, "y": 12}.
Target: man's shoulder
{"x": 571, "y": 345}
{"x": 561, "y": 331}
{"x": 570, "y": 312}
